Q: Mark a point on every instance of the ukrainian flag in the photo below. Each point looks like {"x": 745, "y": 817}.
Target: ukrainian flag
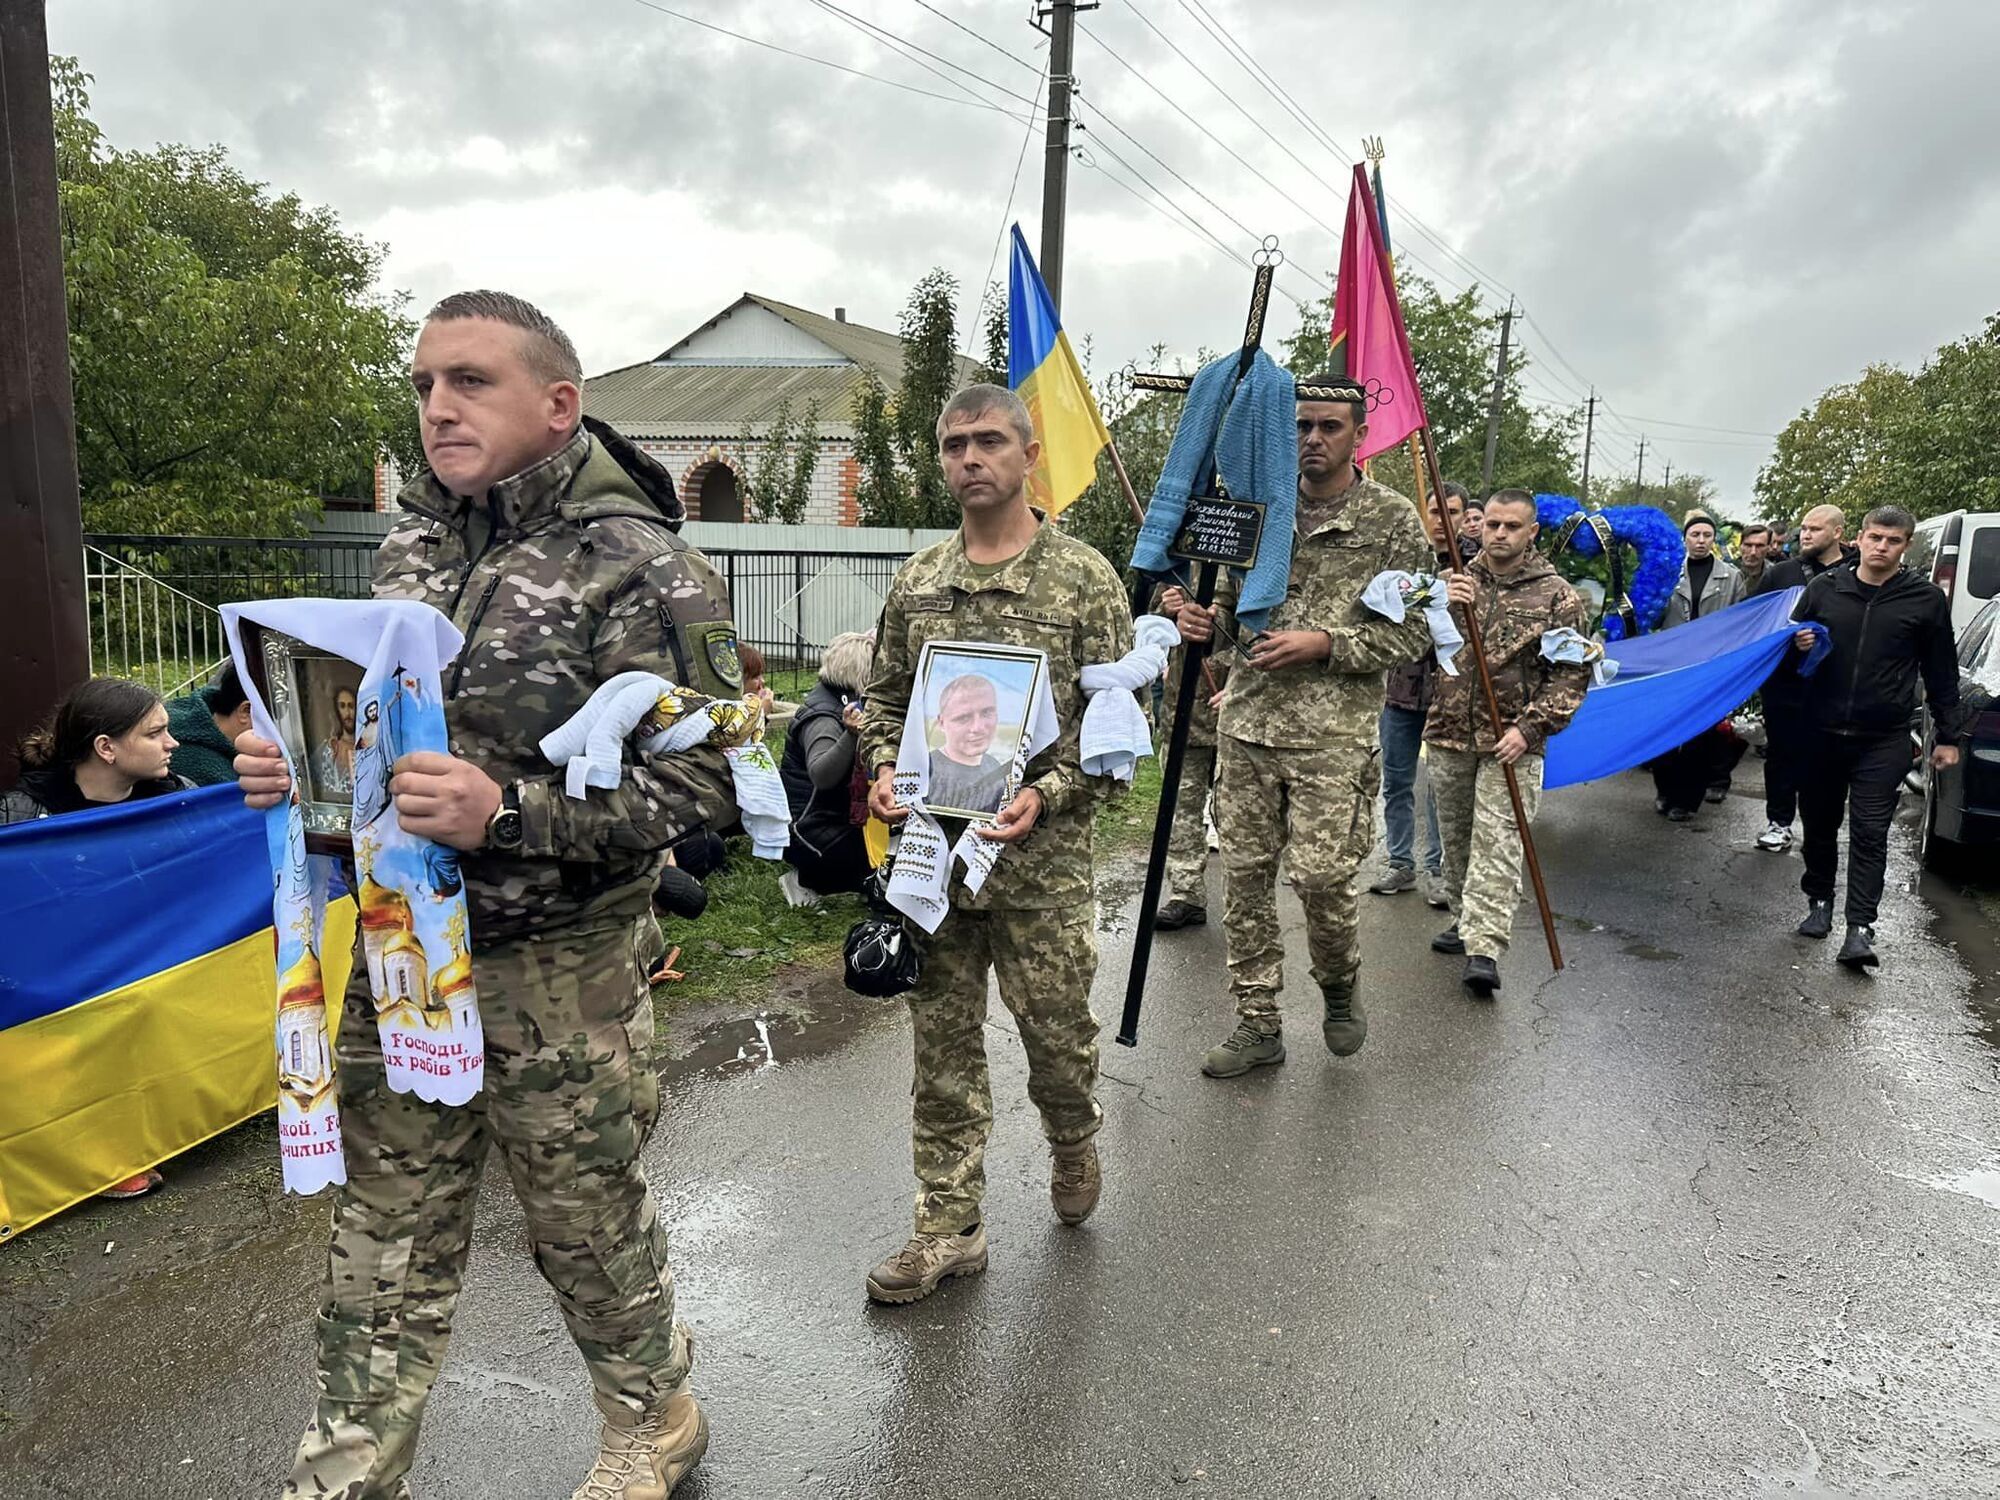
{"x": 137, "y": 991}
{"x": 1042, "y": 370}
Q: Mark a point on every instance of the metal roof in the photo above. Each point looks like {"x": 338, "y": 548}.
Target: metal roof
{"x": 661, "y": 399}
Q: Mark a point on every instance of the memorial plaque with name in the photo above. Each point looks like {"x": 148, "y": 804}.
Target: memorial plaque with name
{"x": 1219, "y": 530}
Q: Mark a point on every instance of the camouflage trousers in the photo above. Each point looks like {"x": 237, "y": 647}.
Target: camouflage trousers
{"x": 1482, "y": 849}
{"x": 1045, "y": 961}
{"x": 569, "y": 1098}
{"x": 1187, "y": 843}
{"x": 1319, "y": 805}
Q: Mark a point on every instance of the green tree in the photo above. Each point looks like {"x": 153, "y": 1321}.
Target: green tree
{"x": 994, "y": 370}
{"x": 230, "y": 359}
{"x": 1452, "y": 340}
{"x": 1948, "y": 438}
{"x": 1850, "y": 449}
{"x": 902, "y": 483}
{"x": 880, "y": 493}
{"x": 1142, "y": 425}
{"x": 778, "y": 469}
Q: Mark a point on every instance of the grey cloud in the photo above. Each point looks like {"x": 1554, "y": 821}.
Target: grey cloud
{"x": 1695, "y": 256}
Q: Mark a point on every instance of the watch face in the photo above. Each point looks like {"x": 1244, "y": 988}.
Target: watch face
{"x": 507, "y": 830}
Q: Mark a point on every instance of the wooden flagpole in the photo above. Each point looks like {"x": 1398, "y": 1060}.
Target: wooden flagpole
{"x": 1372, "y": 147}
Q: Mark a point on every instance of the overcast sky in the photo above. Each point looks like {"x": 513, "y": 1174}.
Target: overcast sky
{"x": 1712, "y": 210}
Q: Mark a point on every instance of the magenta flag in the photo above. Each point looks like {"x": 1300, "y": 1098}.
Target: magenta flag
{"x": 1369, "y": 343}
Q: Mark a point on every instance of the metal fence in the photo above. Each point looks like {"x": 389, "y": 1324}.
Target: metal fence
{"x": 153, "y": 599}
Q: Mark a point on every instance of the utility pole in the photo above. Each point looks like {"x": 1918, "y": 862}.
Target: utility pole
{"x": 1667, "y": 484}
{"x": 1055, "y": 163}
{"x": 1589, "y": 431}
{"x": 46, "y": 647}
{"x": 1639, "y": 479}
{"x": 1493, "y": 411}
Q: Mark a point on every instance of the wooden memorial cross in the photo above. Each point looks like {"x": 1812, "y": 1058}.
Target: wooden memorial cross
{"x": 1217, "y": 531}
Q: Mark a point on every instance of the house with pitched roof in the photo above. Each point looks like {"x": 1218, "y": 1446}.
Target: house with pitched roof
{"x": 690, "y": 406}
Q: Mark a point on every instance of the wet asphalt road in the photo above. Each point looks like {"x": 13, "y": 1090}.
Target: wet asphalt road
{"x": 1702, "y": 1216}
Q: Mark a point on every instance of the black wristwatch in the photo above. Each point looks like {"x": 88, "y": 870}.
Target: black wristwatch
{"x": 503, "y": 829}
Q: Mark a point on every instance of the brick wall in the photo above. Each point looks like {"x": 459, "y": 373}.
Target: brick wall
{"x": 830, "y": 501}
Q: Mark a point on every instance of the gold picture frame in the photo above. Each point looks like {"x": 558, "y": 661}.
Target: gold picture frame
{"x": 314, "y": 697}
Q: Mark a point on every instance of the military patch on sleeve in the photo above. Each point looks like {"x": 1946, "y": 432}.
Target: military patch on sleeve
{"x": 720, "y": 646}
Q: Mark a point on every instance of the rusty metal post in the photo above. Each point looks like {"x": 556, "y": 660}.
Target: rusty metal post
{"x": 44, "y": 649}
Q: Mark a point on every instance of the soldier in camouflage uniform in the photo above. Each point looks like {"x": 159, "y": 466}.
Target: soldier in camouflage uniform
{"x": 1008, "y": 577}
{"x": 1187, "y": 842}
{"x": 551, "y": 544}
{"x": 1515, "y": 595}
{"x": 1299, "y": 753}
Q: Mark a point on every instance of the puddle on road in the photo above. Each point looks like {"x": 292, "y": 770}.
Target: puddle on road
{"x": 1982, "y": 1183}
{"x": 820, "y": 1018}
{"x": 1648, "y": 951}
{"x": 1966, "y": 915}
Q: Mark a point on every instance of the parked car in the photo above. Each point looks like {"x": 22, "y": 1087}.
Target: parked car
{"x": 1962, "y": 804}
{"x": 1960, "y": 553}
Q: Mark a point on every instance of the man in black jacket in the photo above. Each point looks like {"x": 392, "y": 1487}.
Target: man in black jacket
{"x": 1822, "y": 545}
{"x": 1886, "y": 626}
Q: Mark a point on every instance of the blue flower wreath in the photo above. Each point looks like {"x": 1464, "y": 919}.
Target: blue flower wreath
{"x": 1648, "y": 530}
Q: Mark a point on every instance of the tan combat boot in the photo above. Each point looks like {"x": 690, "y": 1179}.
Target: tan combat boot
{"x": 646, "y": 1460}
{"x": 914, "y": 1271}
{"x": 1075, "y": 1180}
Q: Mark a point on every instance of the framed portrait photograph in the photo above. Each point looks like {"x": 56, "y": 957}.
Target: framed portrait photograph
{"x": 328, "y": 733}
{"x": 975, "y": 702}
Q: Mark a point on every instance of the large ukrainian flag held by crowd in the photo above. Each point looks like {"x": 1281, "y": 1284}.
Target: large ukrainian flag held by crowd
{"x": 136, "y": 975}
{"x": 1042, "y": 370}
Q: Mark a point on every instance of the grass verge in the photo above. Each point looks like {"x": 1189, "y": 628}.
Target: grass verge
{"x": 750, "y": 932}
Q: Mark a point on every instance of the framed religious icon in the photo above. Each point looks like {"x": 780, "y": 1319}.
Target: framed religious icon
{"x": 329, "y": 735}
{"x": 975, "y": 702}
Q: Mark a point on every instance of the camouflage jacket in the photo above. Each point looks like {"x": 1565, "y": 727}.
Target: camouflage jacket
{"x": 1536, "y": 696}
{"x": 579, "y": 577}
{"x": 1059, "y": 596}
{"x": 1339, "y": 700}
{"x": 1201, "y": 723}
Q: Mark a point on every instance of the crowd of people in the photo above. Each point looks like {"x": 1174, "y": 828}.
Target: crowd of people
{"x": 1303, "y": 722}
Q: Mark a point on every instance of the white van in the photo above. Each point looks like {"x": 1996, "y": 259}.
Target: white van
{"x": 1960, "y": 552}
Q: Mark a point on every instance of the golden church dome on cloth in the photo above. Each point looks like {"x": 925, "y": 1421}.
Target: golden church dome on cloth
{"x": 382, "y": 907}
{"x": 302, "y": 985}
{"x": 454, "y": 979}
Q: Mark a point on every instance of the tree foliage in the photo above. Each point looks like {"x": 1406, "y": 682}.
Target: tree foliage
{"x": 1929, "y": 442}
{"x": 230, "y": 359}
{"x": 1452, "y": 341}
{"x": 895, "y": 442}
{"x": 777, "y": 470}
{"x": 1142, "y": 425}
{"x": 994, "y": 369}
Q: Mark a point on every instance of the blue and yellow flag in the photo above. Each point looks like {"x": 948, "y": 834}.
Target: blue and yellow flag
{"x": 136, "y": 979}
{"x": 1042, "y": 370}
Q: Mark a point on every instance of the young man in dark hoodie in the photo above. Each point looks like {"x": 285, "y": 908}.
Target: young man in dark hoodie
{"x": 1886, "y": 626}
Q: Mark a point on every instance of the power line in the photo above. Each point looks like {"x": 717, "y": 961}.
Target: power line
{"x": 1234, "y": 104}
{"x": 1128, "y": 67}
{"x": 1105, "y": 119}
{"x": 984, "y": 41}
{"x": 1270, "y": 82}
{"x": 1219, "y": 31}
{"x": 1409, "y": 254}
{"x": 1006, "y": 214}
{"x": 1702, "y": 427}
{"x": 822, "y": 61}
{"x": 904, "y": 47}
